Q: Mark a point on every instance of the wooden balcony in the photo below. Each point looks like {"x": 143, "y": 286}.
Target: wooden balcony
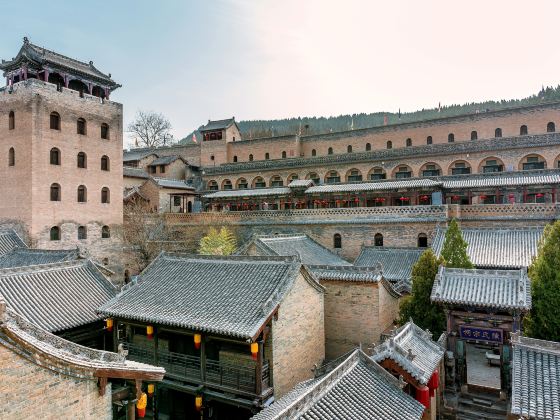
{"x": 215, "y": 374}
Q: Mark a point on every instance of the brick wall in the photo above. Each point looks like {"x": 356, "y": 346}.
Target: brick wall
{"x": 298, "y": 336}
{"x": 33, "y": 392}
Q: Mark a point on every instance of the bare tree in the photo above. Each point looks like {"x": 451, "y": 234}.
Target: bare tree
{"x": 150, "y": 129}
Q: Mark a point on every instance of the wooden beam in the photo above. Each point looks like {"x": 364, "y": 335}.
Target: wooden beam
{"x": 102, "y": 383}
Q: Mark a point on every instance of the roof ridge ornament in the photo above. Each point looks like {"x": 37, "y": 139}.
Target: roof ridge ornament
{"x": 25, "y": 40}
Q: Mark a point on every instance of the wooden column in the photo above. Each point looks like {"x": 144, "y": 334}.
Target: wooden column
{"x": 259, "y": 368}
{"x": 131, "y": 411}
{"x": 203, "y": 359}
{"x": 156, "y": 346}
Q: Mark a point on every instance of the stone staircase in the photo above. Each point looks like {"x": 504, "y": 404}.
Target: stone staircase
{"x": 480, "y": 406}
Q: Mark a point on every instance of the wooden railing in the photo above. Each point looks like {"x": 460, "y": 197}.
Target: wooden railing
{"x": 221, "y": 374}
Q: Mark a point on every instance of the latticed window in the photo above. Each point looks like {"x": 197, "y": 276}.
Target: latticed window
{"x": 354, "y": 176}
{"x": 82, "y": 232}
{"x": 105, "y": 131}
{"x": 403, "y": 172}
{"x": 81, "y": 126}
{"x": 55, "y": 121}
{"x": 242, "y": 184}
{"x": 377, "y": 174}
{"x": 226, "y": 185}
{"x": 105, "y": 195}
{"x": 104, "y": 163}
{"x": 213, "y": 186}
{"x": 313, "y": 176}
{"x": 82, "y": 160}
{"x": 276, "y": 181}
{"x": 260, "y": 183}
{"x": 55, "y": 156}
{"x": 82, "y": 194}
{"x": 332, "y": 177}
{"x": 337, "y": 241}
{"x": 55, "y": 192}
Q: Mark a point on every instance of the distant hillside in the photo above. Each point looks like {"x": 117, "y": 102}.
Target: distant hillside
{"x": 320, "y": 125}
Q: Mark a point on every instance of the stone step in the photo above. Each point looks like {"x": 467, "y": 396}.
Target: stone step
{"x": 473, "y": 414}
{"x": 499, "y": 409}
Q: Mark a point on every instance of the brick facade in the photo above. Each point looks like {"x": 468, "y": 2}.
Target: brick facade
{"x": 298, "y": 336}
{"x": 30, "y": 391}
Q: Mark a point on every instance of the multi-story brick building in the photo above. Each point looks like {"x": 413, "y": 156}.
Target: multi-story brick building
{"x": 62, "y": 143}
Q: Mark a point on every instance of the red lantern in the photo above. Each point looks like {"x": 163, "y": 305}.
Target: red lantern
{"x": 197, "y": 339}
{"x": 404, "y": 198}
{"x": 150, "y": 332}
{"x": 254, "y": 350}
{"x": 482, "y": 197}
{"x": 424, "y": 198}
{"x": 423, "y": 396}
{"x": 539, "y": 195}
{"x": 356, "y": 200}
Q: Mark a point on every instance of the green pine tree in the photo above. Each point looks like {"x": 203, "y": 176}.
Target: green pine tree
{"x": 543, "y": 321}
{"x": 454, "y": 250}
{"x": 216, "y": 242}
{"x": 418, "y": 305}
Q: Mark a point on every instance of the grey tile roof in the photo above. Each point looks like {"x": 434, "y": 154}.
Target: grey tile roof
{"x": 41, "y": 56}
{"x": 9, "y": 240}
{"x": 346, "y": 273}
{"x": 496, "y": 247}
{"x": 535, "y": 391}
{"x": 217, "y": 125}
{"x": 221, "y": 295}
{"x": 396, "y": 263}
{"x": 375, "y": 186}
{"x": 503, "y": 289}
{"x": 135, "y": 172}
{"x": 256, "y": 192}
{"x": 301, "y": 183}
{"x": 137, "y": 154}
{"x": 178, "y": 184}
{"x": 357, "y": 388}
{"x": 166, "y": 160}
{"x": 413, "y": 349}
{"x": 21, "y": 257}
{"x": 56, "y": 296}
{"x": 37, "y": 344}
{"x": 500, "y": 179}
{"x": 308, "y": 250}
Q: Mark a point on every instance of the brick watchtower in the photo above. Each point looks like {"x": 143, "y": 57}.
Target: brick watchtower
{"x": 61, "y": 152}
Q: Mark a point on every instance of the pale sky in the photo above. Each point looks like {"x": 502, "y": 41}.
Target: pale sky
{"x": 263, "y": 59}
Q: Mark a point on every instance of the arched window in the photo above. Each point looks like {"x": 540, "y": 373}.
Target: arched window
{"x": 82, "y": 194}
{"x": 403, "y": 171}
{"x": 376, "y": 174}
{"x": 550, "y": 127}
{"x": 429, "y": 140}
{"x": 227, "y": 185}
{"x": 378, "y": 239}
{"x": 235, "y": 158}
{"x": 11, "y": 121}
{"x": 82, "y": 160}
{"x": 330, "y": 151}
{"x": 250, "y": 158}
{"x": 55, "y": 233}
{"x": 353, "y": 175}
{"x": 532, "y": 162}
{"x": 276, "y": 181}
{"x": 213, "y": 185}
{"x": 337, "y": 241}
{"x": 368, "y": 147}
{"x": 55, "y": 121}
{"x": 105, "y": 131}
{"x": 55, "y": 192}
{"x": 450, "y": 138}
{"x": 293, "y": 177}
{"x": 241, "y": 184}
{"x": 259, "y": 182}
{"x": 55, "y": 156}
{"x": 332, "y": 177}
{"x": 313, "y": 176}
{"x": 490, "y": 165}
{"x": 498, "y": 132}
{"x": 266, "y": 156}
{"x": 349, "y": 149}
{"x": 105, "y": 195}
{"x": 430, "y": 169}
{"x": 474, "y": 135}
{"x": 460, "y": 168}
{"x": 11, "y": 157}
{"x": 81, "y": 126}
{"x": 104, "y": 163}
{"x": 422, "y": 240}
{"x": 284, "y": 154}
{"x": 408, "y": 142}
{"x": 105, "y": 232}
{"x": 523, "y": 131}
{"x": 314, "y": 152}
{"x": 389, "y": 144}
{"x": 82, "y": 232}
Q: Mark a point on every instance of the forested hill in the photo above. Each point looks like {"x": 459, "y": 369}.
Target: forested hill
{"x": 319, "y": 125}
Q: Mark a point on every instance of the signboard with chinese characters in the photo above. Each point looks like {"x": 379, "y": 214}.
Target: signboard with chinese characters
{"x": 491, "y": 335}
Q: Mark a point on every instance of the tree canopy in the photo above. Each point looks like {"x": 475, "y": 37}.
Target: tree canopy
{"x": 543, "y": 321}
{"x": 150, "y": 129}
{"x": 216, "y": 242}
{"x": 418, "y": 305}
{"x": 454, "y": 250}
